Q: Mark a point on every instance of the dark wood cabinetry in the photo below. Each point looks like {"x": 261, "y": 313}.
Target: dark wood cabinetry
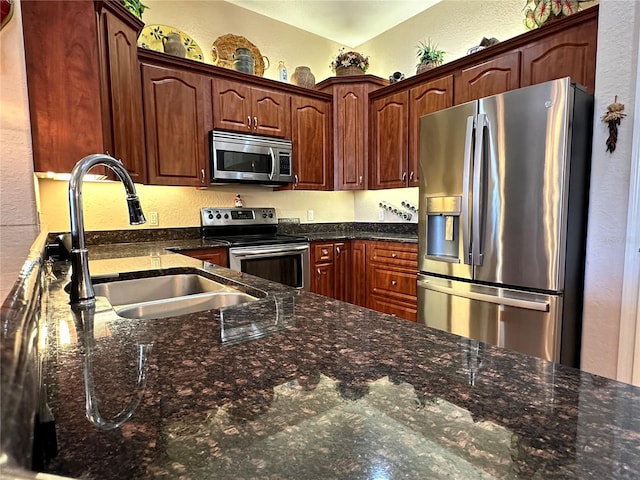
{"x": 391, "y": 278}
{"x": 496, "y": 75}
{"x": 312, "y": 134}
{"x": 357, "y": 278}
{"x": 250, "y": 109}
{"x": 177, "y": 117}
{"x": 350, "y": 120}
{"x": 330, "y": 269}
{"x": 83, "y": 82}
{"x": 215, "y": 255}
{"x": 389, "y": 135}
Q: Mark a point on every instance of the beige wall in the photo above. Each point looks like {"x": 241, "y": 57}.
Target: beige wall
{"x": 17, "y": 193}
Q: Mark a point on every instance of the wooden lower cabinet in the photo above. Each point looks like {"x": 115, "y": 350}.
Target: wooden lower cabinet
{"x": 330, "y": 269}
{"x": 391, "y": 277}
{"x": 372, "y": 274}
{"x": 217, "y": 255}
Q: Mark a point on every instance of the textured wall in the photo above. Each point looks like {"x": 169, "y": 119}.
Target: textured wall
{"x": 17, "y": 197}
{"x": 609, "y": 194}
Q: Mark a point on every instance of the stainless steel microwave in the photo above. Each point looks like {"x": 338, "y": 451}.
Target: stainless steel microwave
{"x": 240, "y": 157}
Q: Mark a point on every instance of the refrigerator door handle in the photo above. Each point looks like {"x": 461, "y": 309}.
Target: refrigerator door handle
{"x": 466, "y": 180}
{"x": 481, "y": 122}
{"x": 483, "y": 297}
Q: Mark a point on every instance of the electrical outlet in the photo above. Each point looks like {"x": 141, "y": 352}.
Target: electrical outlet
{"x": 153, "y": 219}
{"x": 381, "y": 214}
{"x": 309, "y": 214}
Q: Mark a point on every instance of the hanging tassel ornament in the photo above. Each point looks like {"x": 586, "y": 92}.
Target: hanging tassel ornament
{"x": 612, "y": 117}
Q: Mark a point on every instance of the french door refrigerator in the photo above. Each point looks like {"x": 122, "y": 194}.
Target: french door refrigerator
{"x": 502, "y": 226}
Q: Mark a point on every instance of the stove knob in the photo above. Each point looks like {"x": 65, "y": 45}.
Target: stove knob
{"x": 210, "y": 216}
{"x": 218, "y": 216}
{"x": 226, "y": 215}
{"x": 264, "y": 214}
{"x": 270, "y": 214}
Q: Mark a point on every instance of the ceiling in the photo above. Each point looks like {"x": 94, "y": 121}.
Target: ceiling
{"x": 348, "y": 22}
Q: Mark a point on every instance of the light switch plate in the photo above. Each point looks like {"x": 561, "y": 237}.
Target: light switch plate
{"x": 310, "y": 215}
{"x": 153, "y": 219}
{"x": 381, "y": 214}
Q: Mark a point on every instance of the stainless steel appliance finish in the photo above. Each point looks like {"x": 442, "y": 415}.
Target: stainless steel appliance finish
{"x": 503, "y": 199}
{"x": 256, "y": 248}
{"x": 245, "y": 158}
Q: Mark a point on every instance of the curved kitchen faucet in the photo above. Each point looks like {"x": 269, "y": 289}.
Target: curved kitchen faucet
{"x": 81, "y": 289}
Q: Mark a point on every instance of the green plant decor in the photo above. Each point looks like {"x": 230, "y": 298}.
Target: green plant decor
{"x": 539, "y": 12}
{"x": 428, "y": 53}
{"x": 135, "y": 6}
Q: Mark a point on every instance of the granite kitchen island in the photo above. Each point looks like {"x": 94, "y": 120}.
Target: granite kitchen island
{"x": 297, "y": 385}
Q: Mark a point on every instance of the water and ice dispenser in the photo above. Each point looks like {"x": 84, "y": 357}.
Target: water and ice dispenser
{"x": 443, "y": 228}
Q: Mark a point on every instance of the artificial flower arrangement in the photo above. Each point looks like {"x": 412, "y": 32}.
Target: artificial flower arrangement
{"x": 350, "y": 59}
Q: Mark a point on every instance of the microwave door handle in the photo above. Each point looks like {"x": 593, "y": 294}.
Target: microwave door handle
{"x": 273, "y": 163}
{"x": 477, "y": 179}
{"x": 466, "y": 179}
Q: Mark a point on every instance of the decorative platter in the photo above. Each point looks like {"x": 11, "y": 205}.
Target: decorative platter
{"x": 151, "y": 38}
{"x": 225, "y": 46}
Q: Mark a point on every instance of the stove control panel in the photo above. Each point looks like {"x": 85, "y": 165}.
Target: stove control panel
{"x": 217, "y": 216}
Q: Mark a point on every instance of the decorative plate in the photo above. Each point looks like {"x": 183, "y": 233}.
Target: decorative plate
{"x": 151, "y": 38}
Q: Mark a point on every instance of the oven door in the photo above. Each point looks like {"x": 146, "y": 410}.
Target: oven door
{"x": 283, "y": 263}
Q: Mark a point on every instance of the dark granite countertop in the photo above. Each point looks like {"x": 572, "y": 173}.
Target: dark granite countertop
{"x": 297, "y": 385}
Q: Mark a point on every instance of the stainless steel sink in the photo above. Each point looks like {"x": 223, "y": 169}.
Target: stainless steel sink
{"x": 169, "y": 295}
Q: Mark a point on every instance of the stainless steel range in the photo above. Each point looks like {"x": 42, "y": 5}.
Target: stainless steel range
{"x": 255, "y": 247}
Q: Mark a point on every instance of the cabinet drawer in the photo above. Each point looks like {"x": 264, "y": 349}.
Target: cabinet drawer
{"x": 399, "y": 309}
{"x": 323, "y": 252}
{"x": 395, "y": 282}
{"x": 394, "y": 254}
{"x": 217, "y": 256}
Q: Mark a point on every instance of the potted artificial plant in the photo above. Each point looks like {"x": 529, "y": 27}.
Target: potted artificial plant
{"x": 540, "y": 12}
{"x": 429, "y": 56}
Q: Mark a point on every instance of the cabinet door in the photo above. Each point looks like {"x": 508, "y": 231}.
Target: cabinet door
{"x": 351, "y": 107}
{"x": 270, "y": 112}
{"x": 217, "y": 256}
{"x": 122, "y": 119}
{"x": 389, "y": 142}
{"x": 177, "y": 111}
{"x": 322, "y": 279}
{"x": 311, "y": 120}
{"x": 358, "y": 273}
{"x": 342, "y": 252}
{"x": 63, "y": 80}
{"x": 426, "y": 98}
{"x": 232, "y": 105}
{"x": 497, "y": 75}
{"x": 567, "y": 53}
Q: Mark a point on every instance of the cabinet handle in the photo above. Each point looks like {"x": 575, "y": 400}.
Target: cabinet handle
{"x": 338, "y": 250}
{"x": 394, "y": 255}
{"x": 249, "y": 122}
{"x": 360, "y": 180}
{"x": 255, "y": 122}
{"x": 393, "y": 283}
{"x": 202, "y": 174}
{"x": 325, "y": 251}
{"x": 295, "y": 179}
{"x": 404, "y": 176}
{"x": 411, "y": 177}
{"x": 319, "y": 272}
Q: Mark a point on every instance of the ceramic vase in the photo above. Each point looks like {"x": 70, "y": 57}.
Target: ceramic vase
{"x": 172, "y": 44}
{"x": 303, "y": 77}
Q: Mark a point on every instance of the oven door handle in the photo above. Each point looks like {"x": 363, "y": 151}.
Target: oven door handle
{"x": 267, "y": 251}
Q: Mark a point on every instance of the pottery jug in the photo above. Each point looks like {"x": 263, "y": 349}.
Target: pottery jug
{"x": 243, "y": 60}
{"x": 303, "y": 77}
{"x": 172, "y": 44}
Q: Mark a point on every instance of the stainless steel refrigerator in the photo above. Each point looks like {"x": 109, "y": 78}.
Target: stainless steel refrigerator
{"x": 502, "y": 226}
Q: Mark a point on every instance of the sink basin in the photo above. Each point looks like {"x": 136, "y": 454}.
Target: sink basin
{"x": 168, "y": 295}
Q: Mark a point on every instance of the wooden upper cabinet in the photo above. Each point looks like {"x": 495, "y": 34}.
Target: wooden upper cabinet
{"x": 497, "y": 75}
{"x": 389, "y": 139}
{"x": 426, "y": 98}
{"x": 244, "y": 108}
{"x": 312, "y": 134}
{"x": 567, "y": 53}
{"x": 122, "y": 100}
{"x": 177, "y": 112}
